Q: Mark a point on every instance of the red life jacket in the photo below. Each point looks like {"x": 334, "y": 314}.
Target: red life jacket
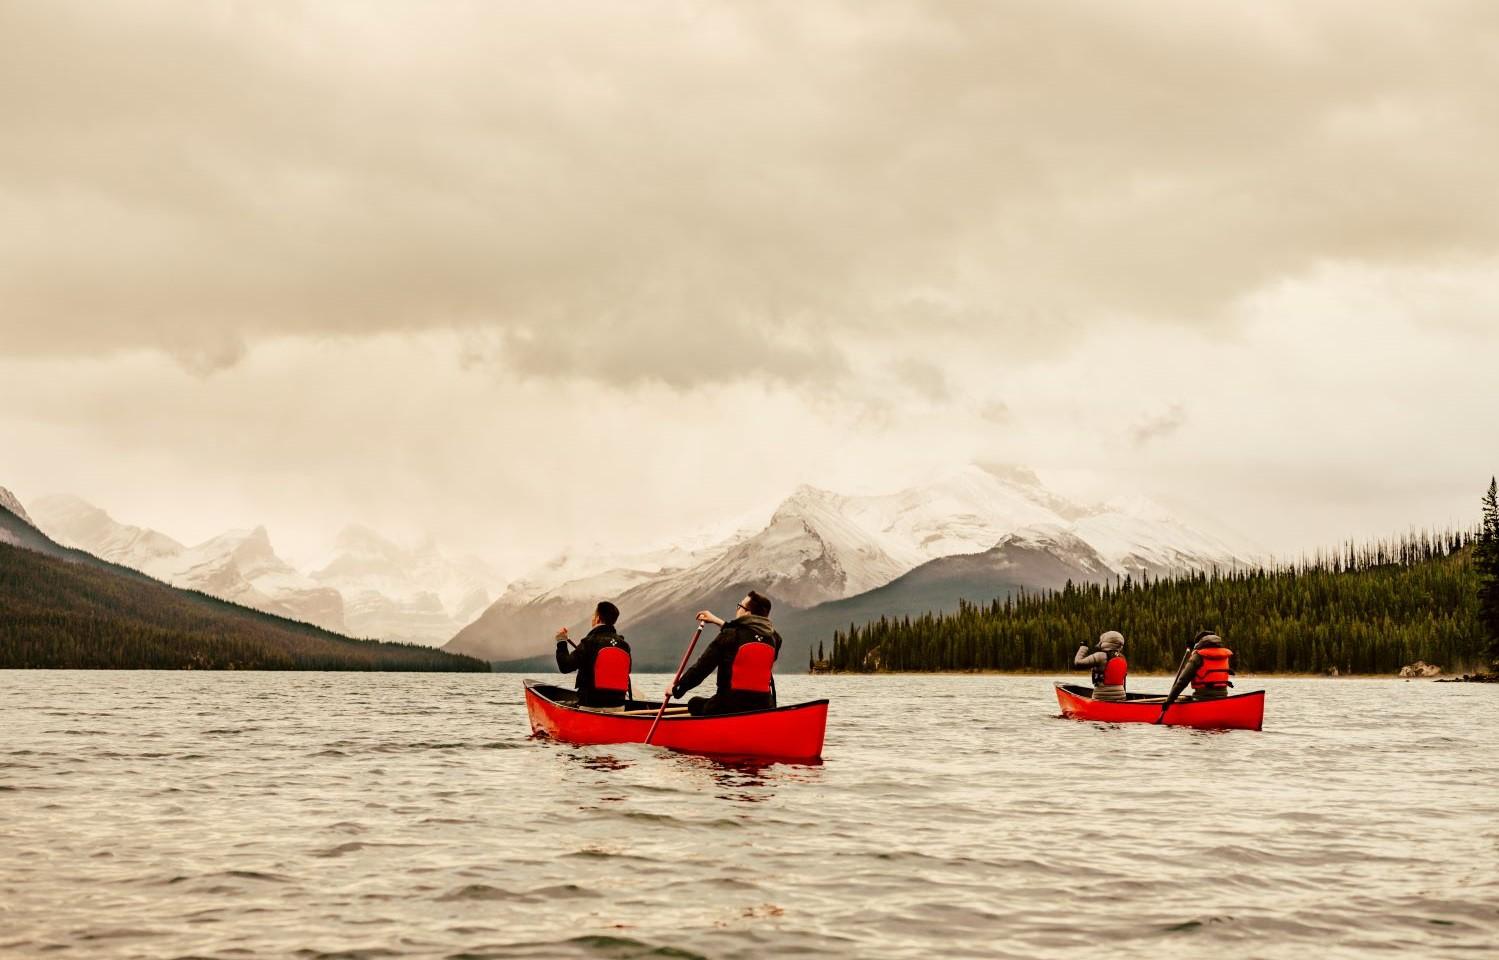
{"x": 752, "y": 665}
{"x": 1115, "y": 671}
{"x": 1214, "y": 672}
{"x": 611, "y": 669}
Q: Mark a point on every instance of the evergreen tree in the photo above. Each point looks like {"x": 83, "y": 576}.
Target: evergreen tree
{"x": 1360, "y": 609}
{"x": 1486, "y": 561}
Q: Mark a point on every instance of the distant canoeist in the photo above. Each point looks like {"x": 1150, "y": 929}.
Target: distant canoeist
{"x": 602, "y": 660}
{"x": 1207, "y": 668}
{"x": 743, "y": 653}
{"x": 1108, "y": 663}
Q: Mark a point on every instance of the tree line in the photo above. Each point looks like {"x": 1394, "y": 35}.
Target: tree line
{"x": 59, "y": 614}
{"x": 1358, "y": 609}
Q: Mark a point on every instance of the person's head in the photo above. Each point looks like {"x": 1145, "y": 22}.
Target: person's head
{"x": 1110, "y": 640}
{"x": 1206, "y": 638}
{"x": 754, "y": 604}
{"x": 605, "y": 614}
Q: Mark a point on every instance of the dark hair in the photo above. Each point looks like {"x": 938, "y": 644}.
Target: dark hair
{"x": 758, "y": 605}
{"x": 607, "y": 612}
{"x": 1204, "y": 633}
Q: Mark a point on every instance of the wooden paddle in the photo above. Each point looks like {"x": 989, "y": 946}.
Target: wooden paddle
{"x": 1174, "y": 677}
{"x": 680, "y": 667}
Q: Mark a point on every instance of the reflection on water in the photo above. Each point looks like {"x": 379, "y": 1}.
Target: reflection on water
{"x": 274, "y": 815}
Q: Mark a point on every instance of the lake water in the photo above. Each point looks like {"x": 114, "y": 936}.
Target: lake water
{"x": 161, "y": 815}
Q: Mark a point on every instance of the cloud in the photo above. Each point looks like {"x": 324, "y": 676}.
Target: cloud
{"x": 205, "y": 359}
{"x": 639, "y": 192}
{"x": 922, "y": 377}
{"x": 1154, "y": 426}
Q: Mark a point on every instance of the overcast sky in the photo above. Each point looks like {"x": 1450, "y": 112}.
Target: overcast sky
{"x": 524, "y": 276}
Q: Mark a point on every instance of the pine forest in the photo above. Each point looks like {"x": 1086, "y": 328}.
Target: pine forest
{"x": 1363, "y": 610}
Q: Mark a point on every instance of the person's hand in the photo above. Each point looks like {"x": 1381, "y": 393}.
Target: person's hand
{"x": 707, "y": 616}
{"x": 562, "y": 634}
{"x": 670, "y": 693}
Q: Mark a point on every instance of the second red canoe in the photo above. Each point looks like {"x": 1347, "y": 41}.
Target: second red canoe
{"x": 1245, "y": 711}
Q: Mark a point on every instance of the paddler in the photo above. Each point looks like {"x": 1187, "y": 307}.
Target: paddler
{"x": 1108, "y": 665}
{"x": 1208, "y": 666}
{"x": 743, "y": 653}
{"x": 602, "y": 659}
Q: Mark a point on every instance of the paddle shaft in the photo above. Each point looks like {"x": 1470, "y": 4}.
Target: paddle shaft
{"x": 1174, "y": 677}
{"x": 680, "y": 667}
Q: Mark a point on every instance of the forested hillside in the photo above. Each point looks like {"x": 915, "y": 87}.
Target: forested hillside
{"x": 1364, "y": 610}
{"x": 63, "y": 608}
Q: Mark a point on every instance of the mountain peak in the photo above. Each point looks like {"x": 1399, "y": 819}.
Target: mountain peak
{"x": 8, "y": 501}
{"x": 1008, "y": 472}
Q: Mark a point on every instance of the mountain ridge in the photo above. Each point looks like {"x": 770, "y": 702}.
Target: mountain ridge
{"x": 823, "y": 548}
{"x": 61, "y": 607}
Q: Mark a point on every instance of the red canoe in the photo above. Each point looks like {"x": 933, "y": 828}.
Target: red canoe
{"x": 784, "y": 733}
{"x": 1244, "y": 711}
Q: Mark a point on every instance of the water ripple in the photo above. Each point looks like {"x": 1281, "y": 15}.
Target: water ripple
{"x": 346, "y": 815}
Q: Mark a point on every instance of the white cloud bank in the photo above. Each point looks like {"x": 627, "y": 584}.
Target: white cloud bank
{"x": 1350, "y": 402}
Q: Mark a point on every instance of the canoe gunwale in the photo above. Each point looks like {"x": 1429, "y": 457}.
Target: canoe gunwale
{"x": 790, "y": 734}
{"x": 1147, "y": 699}
{"x": 540, "y": 690}
{"x": 1241, "y": 711}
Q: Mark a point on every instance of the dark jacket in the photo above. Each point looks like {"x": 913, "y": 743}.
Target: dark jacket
{"x": 720, "y": 657}
{"x": 582, "y": 659}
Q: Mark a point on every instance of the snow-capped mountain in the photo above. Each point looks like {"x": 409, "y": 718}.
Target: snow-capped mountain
{"x": 8, "y": 501}
{"x": 241, "y": 565}
{"x": 536, "y": 605}
{"x": 78, "y": 523}
{"x": 417, "y": 594}
{"x": 821, "y": 547}
{"x": 372, "y": 587}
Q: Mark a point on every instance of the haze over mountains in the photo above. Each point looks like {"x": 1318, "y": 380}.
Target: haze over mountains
{"x": 826, "y": 559}
{"x": 65, "y": 608}
{"x": 372, "y": 587}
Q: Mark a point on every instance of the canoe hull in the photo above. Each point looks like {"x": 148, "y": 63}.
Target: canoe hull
{"x": 1246, "y": 711}
{"x": 785, "y": 733}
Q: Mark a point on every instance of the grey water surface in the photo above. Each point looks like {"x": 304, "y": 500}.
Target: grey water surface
{"x": 241, "y": 815}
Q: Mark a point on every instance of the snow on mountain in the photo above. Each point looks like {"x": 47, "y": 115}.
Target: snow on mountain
{"x": 577, "y": 574}
{"x": 415, "y": 594}
{"x": 820, "y": 547}
{"x": 372, "y": 587}
{"x": 77, "y": 523}
{"x": 8, "y": 501}
{"x": 521, "y": 622}
{"x": 1137, "y": 536}
{"x": 240, "y": 566}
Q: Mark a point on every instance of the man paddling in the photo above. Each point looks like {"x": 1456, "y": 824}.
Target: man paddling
{"x": 743, "y": 654}
{"x": 1207, "y": 668}
{"x": 602, "y": 660}
{"x": 1108, "y": 665}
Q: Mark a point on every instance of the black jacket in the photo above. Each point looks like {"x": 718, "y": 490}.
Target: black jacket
{"x": 720, "y": 656}
{"x": 582, "y": 658}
